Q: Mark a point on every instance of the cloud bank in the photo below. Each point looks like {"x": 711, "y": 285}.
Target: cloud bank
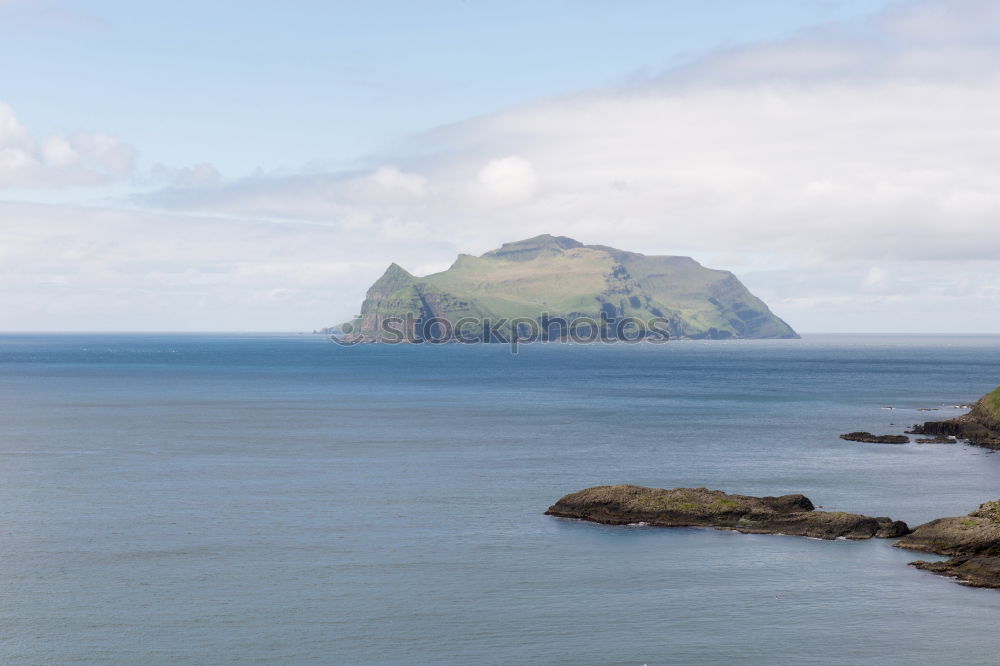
{"x": 874, "y": 140}
{"x": 73, "y": 268}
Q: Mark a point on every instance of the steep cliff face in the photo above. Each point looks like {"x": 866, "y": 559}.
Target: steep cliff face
{"x": 551, "y": 277}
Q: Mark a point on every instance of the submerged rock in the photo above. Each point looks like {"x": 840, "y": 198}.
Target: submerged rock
{"x": 940, "y": 439}
{"x": 700, "y": 507}
{"x": 875, "y": 439}
{"x": 973, "y": 541}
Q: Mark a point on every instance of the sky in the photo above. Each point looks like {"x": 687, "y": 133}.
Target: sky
{"x": 256, "y": 165}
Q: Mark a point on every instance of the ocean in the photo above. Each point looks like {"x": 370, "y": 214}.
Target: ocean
{"x": 278, "y": 499}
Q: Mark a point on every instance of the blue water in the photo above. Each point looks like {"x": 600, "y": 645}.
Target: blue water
{"x": 234, "y": 499}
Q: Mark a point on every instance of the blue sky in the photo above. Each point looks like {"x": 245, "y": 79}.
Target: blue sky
{"x": 256, "y": 165}
{"x": 263, "y": 84}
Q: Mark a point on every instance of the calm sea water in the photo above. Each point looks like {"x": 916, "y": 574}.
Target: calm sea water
{"x": 235, "y": 499}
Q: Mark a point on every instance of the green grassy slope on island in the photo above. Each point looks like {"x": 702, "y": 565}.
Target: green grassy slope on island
{"x": 991, "y": 405}
{"x": 560, "y": 277}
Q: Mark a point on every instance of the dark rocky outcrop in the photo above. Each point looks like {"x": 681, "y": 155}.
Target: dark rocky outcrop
{"x": 700, "y": 507}
{"x": 974, "y": 571}
{"x": 972, "y": 541}
{"x": 875, "y": 439}
{"x": 981, "y": 426}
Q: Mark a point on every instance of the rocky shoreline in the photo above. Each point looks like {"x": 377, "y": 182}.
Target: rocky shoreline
{"x": 699, "y": 507}
{"x": 972, "y": 541}
{"x": 980, "y": 427}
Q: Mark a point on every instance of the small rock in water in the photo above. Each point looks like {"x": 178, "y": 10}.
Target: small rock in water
{"x": 875, "y": 439}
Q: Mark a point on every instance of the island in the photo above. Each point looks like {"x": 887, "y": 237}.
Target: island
{"x": 972, "y": 542}
{"x": 699, "y": 507}
{"x": 980, "y": 427}
{"x": 553, "y": 283}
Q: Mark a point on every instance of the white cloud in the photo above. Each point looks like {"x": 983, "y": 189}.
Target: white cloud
{"x": 58, "y": 152}
{"x": 392, "y": 180}
{"x": 193, "y": 177}
{"x": 83, "y": 158}
{"x": 876, "y": 278}
{"x": 510, "y": 179}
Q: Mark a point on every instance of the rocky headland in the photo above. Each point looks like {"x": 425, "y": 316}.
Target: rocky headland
{"x": 972, "y": 542}
{"x": 980, "y": 427}
{"x": 699, "y": 507}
